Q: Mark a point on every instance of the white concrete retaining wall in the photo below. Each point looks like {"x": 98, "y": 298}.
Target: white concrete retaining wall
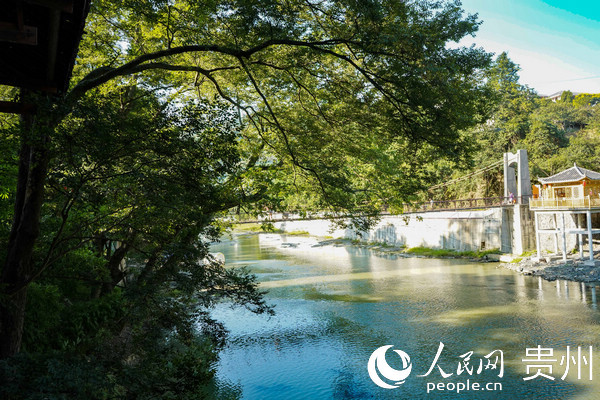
{"x": 457, "y": 230}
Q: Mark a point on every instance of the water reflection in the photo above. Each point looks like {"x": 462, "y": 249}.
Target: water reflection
{"x": 568, "y": 290}
{"x": 335, "y": 305}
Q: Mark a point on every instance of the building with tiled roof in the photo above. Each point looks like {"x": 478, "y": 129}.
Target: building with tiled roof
{"x": 575, "y": 187}
{"x": 571, "y": 195}
{"x": 573, "y": 174}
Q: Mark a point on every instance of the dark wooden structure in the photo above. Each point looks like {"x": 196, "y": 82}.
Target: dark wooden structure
{"x": 39, "y": 40}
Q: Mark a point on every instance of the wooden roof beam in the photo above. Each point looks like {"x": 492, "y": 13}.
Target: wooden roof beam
{"x": 52, "y": 44}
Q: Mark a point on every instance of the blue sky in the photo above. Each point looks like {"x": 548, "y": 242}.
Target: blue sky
{"x": 555, "y": 42}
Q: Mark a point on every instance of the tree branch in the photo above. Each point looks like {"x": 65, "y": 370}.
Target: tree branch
{"x": 103, "y": 75}
{"x": 281, "y": 129}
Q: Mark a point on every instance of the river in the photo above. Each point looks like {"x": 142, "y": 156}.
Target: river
{"x": 491, "y": 328}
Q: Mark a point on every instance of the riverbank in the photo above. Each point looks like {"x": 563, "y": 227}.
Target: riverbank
{"x": 572, "y": 269}
{"x": 378, "y": 248}
{"x": 417, "y": 252}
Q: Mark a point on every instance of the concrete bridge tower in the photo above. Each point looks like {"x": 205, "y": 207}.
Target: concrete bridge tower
{"x": 517, "y": 233}
{"x": 516, "y": 176}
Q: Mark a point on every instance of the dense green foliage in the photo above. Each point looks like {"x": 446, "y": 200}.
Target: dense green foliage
{"x": 178, "y": 112}
{"x": 341, "y": 99}
{"x": 181, "y": 112}
{"x": 125, "y": 281}
{"x": 555, "y": 134}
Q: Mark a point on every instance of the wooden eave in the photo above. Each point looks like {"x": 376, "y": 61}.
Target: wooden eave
{"x": 587, "y": 181}
{"x": 565, "y": 183}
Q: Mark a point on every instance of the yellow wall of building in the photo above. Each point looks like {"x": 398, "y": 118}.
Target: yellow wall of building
{"x": 566, "y": 189}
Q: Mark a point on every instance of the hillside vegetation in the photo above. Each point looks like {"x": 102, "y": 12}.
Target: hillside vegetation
{"x": 555, "y": 134}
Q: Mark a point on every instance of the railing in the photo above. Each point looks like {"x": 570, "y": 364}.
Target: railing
{"x": 271, "y": 216}
{"x": 465, "y": 204}
{"x": 434, "y": 205}
{"x": 564, "y": 203}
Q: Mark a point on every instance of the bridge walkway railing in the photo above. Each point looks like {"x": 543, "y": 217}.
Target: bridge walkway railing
{"x": 420, "y": 207}
{"x": 464, "y": 204}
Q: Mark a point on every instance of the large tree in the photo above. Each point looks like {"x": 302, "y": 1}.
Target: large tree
{"x": 342, "y": 100}
{"x": 510, "y": 120}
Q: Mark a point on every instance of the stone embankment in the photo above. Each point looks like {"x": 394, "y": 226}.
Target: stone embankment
{"x": 572, "y": 269}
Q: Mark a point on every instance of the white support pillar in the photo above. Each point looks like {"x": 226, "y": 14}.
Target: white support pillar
{"x": 555, "y": 219}
{"x": 564, "y": 237}
{"x": 579, "y": 235}
{"x": 517, "y": 226}
{"x": 537, "y": 236}
{"x": 589, "y": 229}
{"x": 524, "y": 182}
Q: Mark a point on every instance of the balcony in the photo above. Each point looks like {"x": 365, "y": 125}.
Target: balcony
{"x": 564, "y": 203}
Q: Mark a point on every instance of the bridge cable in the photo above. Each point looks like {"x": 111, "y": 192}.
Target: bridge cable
{"x": 470, "y": 175}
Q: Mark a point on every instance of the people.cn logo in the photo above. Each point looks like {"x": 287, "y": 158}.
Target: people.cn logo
{"x": 378, "y": 366}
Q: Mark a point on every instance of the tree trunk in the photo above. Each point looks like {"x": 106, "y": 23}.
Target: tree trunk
{"x": 18, "y": 270}
{"x": 114, "y": 265}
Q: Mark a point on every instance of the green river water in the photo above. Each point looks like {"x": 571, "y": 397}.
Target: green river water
{"x": 335, "y": 305}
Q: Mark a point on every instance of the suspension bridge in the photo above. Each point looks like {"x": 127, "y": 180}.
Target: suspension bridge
{"x": 517, "y": 190}
{"x": 517, "y": 187}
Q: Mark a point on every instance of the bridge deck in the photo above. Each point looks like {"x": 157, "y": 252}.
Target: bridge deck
{"x": 430, "y": 206}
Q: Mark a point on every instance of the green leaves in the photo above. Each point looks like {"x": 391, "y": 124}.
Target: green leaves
{"x": 555, "y": 134}
{"x": 315, "y": 82}
{"x": 180, "y": 110}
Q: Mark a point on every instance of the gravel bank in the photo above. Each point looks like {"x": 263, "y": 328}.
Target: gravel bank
{"x": 572, "y": 270}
